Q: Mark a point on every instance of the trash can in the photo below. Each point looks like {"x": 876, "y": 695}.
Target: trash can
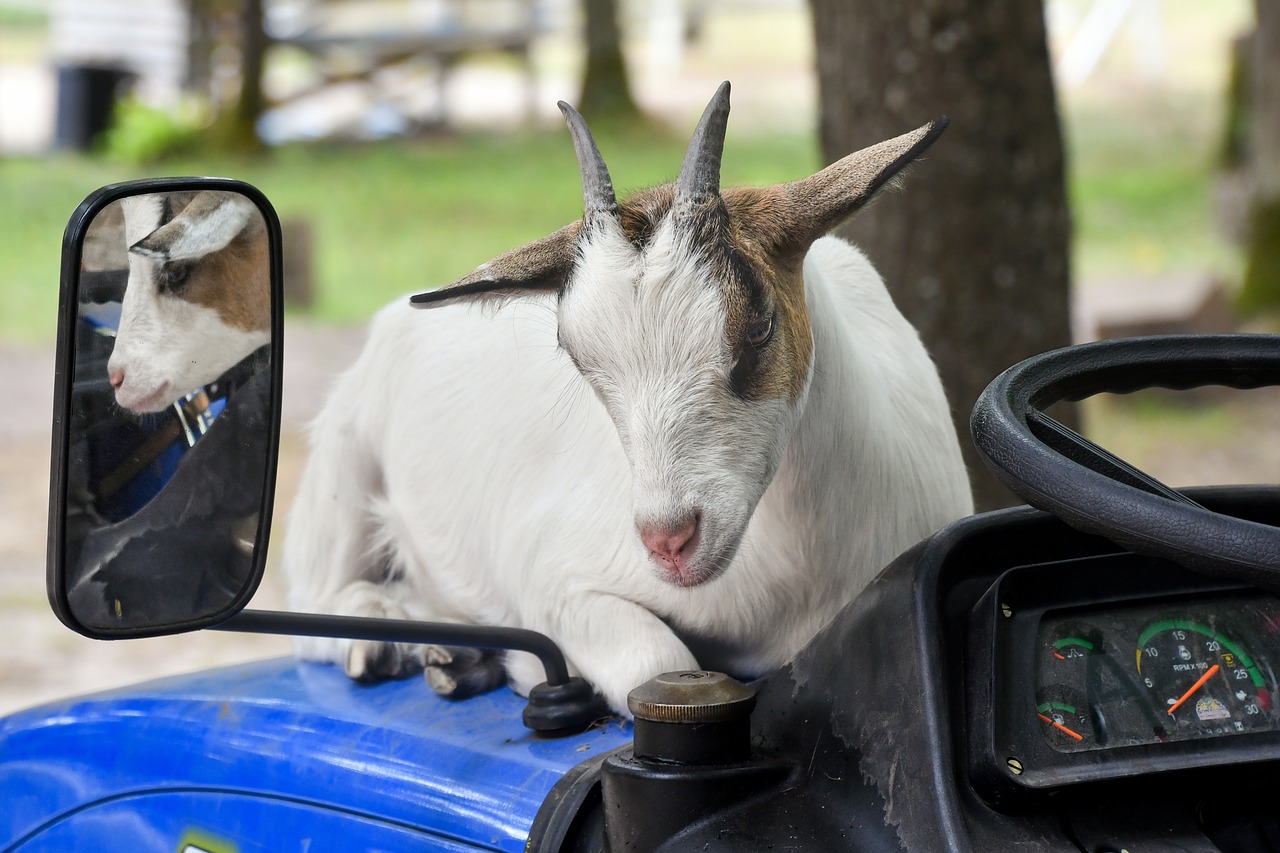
{"x": 86, "y": 97}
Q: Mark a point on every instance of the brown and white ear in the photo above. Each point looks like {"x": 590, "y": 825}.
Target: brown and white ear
{"x": 209, "y": 223}
{"x": 816, "y": 205}
{"x": 538, "y": 267}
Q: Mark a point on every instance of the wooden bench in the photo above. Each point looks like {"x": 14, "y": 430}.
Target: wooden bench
{"x": 458, "y": 29}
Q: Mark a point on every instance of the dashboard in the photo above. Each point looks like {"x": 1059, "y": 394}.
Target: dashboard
{"x": 1015, "y": 684}
{"x": 1117, "y": 666}
{"x": 1174, "y": 670}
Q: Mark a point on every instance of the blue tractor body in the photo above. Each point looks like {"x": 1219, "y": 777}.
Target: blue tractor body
{"x": 279, "y": 755}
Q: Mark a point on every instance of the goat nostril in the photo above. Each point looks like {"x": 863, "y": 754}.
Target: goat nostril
{"x": 667, "y": 540}
{"x": 117, "y": 379}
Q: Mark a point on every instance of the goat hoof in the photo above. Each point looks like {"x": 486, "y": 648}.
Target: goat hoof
{"x": 369, "y": 662}
{"x": 440, "y": 655}
{"x": 461, "y": 672}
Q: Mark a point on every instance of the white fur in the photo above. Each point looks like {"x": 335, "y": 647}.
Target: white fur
{"x": 464, "y": 449}
{"x": 166, "y": 347}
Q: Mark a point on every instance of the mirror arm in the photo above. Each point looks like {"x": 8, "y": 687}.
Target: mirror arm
{"x": 562, "y": 705}
{"x": 403, "y": 631}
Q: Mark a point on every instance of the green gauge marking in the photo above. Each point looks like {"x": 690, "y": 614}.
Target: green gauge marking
{"x": 1046, "y": 707}
{"x": 1072, "y": 647}
{"x": 1214, "y": 642}
{"x": 1067, "y": 727}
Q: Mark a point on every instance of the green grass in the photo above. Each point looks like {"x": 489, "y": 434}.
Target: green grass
{"x": 28, "y": 18}
{"x": 390, "y": 218}
{"x": 1141, "y": 188}
{"x": 386, "y": 219}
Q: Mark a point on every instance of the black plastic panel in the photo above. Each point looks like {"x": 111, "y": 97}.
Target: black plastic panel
{"x": 1057, "y": 693}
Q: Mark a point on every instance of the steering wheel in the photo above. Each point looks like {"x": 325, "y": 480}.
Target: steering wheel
{"x": 1055, "y": 469}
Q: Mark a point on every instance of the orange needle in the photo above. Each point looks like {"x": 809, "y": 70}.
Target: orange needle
{"x": 1194, "y": 688}
{"x": 1060, "y": 726}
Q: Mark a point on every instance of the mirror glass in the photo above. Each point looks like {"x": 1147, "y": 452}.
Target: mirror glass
{"x": 170, "y": 409}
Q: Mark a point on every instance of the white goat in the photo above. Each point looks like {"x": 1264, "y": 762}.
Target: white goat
{"x": 766, "y": 433}
{"x": 198, "y": 297}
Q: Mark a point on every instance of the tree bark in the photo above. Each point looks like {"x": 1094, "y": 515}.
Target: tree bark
{"x": 976, "y": 250}
{"x": 606, "y": 89}
{"x": 1261, "y": 288}
{"x": 235, "y": 126}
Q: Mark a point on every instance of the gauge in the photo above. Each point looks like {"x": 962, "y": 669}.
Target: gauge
{"x": 1065, "y": 719}
{"x": 1071, "y": 647}
{"x": 1207, "y": 682}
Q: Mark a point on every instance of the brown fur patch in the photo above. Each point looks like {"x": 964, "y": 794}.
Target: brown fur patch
{"x": 236, "y": 280}
{"x": 755, "y": 282}
{"x": 542, "y": 265}
{"x": 640, "y": 214}
{"x": 783, "y": 363}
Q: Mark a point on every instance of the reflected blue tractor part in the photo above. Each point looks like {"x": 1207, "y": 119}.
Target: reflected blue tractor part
{"x": 128, "y": 462}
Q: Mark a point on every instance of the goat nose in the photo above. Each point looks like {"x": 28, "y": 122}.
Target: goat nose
{"x": 666, "y": 540}
{"x": 117, "y": 379}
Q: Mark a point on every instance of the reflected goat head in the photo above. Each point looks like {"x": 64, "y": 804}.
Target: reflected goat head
{"x": 684, "y": 309}
{"x": 198, "y": 296}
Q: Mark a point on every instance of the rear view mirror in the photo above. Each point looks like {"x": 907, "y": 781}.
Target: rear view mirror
{"x": 166, "y": 428}
{"x": 166, "y": 406}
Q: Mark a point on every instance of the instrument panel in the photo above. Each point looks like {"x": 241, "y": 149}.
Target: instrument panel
{"x": 1115, "y": 667}
{"x": 1169, "y": 671}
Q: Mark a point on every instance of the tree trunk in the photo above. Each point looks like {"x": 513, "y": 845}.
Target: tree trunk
{"x": 606, "y": 91}
{"x": 976, "y": 250}
{"x": 200, "y": 46}
{"x": 1261, "y": 289}
{"x": 235, "y": 128}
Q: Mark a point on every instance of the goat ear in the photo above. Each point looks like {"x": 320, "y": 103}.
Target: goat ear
{"x": 814, "y": 206}
{"x": 207, "y": 224}
{"x": 540, "y": 266}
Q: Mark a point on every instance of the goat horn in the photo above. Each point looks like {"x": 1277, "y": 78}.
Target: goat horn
{"x": 699, "y": 178}
{"x": 598, "y": 198}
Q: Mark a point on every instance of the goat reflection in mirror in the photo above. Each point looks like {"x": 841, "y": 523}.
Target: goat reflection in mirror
{"x": 170, "y": 408}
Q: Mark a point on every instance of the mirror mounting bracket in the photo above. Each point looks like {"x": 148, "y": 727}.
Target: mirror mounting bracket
{"x": 562, "y": 705}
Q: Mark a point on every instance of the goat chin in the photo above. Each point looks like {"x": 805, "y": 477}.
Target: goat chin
{"x": 146, "y": 400}
{"x": 463, "y": 470}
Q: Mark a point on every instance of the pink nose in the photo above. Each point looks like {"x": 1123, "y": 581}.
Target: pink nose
{"x": 117, "y": 379}
{"x": 665, "y": 541}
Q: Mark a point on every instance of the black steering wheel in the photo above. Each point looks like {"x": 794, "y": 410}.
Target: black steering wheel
{"x": 1055, "y": 469}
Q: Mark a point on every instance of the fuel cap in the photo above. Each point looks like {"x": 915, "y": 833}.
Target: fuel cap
{"x": 693, "y": 717}
{"x": 693, "y": 696}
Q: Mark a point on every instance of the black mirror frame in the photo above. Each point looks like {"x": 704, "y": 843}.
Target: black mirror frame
{"x": 64, "y": 362}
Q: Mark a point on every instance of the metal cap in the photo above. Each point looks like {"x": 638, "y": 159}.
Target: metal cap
{"x": 694, "y": 696}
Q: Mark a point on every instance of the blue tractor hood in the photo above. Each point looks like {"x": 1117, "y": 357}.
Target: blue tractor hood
{"x": 279, "y": 755}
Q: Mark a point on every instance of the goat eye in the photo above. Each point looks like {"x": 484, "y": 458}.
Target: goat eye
{"x": 171, "y": 277}
{"x": 759, "y": 333}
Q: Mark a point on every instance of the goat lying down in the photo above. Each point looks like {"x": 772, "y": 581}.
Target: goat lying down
{"x": 688, "y": 431}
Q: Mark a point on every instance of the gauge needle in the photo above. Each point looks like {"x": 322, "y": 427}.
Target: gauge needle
{"x": 1185, "y": 696}
{"x": 1060, "y": 727}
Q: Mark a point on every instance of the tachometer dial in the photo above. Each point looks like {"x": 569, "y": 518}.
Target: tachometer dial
{"x": 1207, "y": 682}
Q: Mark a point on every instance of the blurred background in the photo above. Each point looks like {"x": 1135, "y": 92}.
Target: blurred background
{"x": 1112, "y": 168}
